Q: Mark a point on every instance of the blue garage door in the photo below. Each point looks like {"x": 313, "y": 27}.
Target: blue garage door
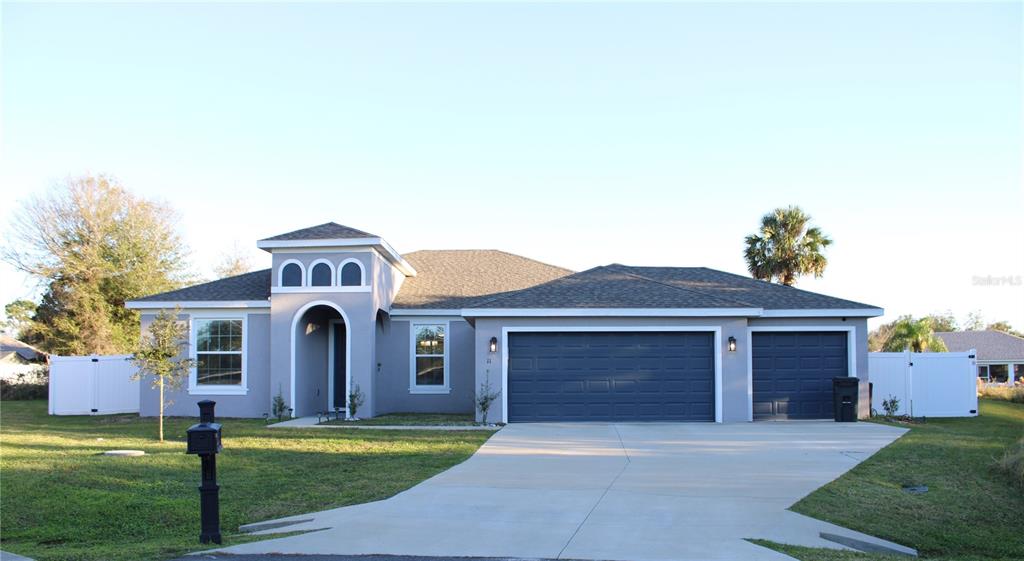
{"x": 793, "y": 373}
{"x": 631, "y": 376}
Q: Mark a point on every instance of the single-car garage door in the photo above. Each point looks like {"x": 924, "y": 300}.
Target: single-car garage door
{"x": 611, "y": 376}
{"x": 793, "y": 373}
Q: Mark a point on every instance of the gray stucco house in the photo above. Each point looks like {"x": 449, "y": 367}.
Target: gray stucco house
{"x": 421, "y": 332}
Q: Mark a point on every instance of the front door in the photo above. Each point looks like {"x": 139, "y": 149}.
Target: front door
{"x": 338, "y": 397}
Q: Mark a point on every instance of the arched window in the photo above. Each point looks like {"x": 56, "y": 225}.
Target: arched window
{"x": 291, "y": 274}
{"x": 321, "y": 275}
{"x": 352, "y": 274}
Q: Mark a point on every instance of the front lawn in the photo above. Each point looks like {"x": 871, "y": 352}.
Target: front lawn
{"x": 972, "y": 510}
{"x": 62, "y": 500}
{"x": 411, "y": 419}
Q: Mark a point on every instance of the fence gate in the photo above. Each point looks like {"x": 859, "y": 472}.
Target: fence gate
{"x": 927, "y": 384}
{"x": 92, "y": 385}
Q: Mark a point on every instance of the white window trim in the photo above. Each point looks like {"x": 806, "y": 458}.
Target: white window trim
{"x": 362, "y": 272}
{"x": 309, "y": 277}
{"x": 193, "y": 387}
{"x": 315, "y": 289}
{"x": 280, "y": 273}
{"x": 444, "y": 388}
{"x": 717, "y": 330}
{"x": 851, "y": 352}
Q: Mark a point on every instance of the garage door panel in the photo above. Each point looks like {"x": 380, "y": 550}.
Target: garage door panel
{"x": 611, "y": 376}
{"x": 793, "y": 371}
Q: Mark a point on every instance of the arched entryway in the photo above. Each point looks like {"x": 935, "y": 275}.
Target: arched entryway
{"x": 320, "y": 362}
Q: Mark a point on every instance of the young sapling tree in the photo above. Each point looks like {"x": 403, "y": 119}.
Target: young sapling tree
{"x": 161, "y": 353}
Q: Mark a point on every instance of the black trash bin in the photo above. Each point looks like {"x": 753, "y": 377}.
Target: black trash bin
{"x": 845, "y": 395}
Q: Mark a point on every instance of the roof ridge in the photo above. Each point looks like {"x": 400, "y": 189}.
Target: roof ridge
{"x": 694, "y": 290}
{"x": 525, "y": 258}
{"x": 786, "y": 286}
{"x": 493, "y": 297}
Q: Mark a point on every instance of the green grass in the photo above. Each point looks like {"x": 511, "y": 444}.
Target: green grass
{"x": 62, "y": 500}
{"x": 972, "y": 510}
{"x": 412, "y": 419}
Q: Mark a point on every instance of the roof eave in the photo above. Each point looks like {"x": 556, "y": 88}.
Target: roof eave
{"x": 377, "y": 243}
{"x": 194, "y": 304}
{"x": 611, "y": 312}
{"x": 670, "y": 312}
{"x": 824, "y": 313}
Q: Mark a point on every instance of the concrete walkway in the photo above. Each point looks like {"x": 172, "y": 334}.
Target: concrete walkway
{"x": 637, "y": 492}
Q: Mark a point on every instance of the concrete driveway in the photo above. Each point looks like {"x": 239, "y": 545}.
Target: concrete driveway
{"x": 637, "y": 492}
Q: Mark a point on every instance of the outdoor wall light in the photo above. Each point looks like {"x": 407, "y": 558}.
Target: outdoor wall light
{"x": 494, "y": 344}
{"x": 732, "y": 344}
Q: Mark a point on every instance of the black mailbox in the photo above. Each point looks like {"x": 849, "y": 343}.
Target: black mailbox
{"x": 204, "y": 438}
{"x": 845, "y": 397}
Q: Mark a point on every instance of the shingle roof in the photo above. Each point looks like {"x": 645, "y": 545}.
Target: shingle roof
{"x": 491, "y": 279}
{"x": 611, "y": 286}
{"x": 451, "y": 279}
{"x": 328, "y": 231}
{"x": 247, "y": 286}
{"x": 991, "y": 345}
{"x": 24, "y": 350}
{"x": 751, "y": 292}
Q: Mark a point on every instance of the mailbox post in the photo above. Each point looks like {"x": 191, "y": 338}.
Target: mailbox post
{"x": 204, "y": 440}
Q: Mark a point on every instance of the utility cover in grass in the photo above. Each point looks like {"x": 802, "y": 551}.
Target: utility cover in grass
{"x": 128, "y": 453}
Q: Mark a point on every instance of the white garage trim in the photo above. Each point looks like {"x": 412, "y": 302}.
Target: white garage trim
{"x": 611, "y": 328}
{"x": 851, "y": 352}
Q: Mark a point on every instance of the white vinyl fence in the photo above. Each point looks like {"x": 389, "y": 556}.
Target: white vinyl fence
{"x": 92, "y": 385}
{"x": 927, "y": 384}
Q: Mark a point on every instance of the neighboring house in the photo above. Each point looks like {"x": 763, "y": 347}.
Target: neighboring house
{"x": 999, "y": 354}
{"x": 422, "y": 332}
{"x": 17, "y": 358}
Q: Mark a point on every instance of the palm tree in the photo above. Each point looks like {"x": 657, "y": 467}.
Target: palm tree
{"x": 786, "y": 248}
{"x": 917, "y": 334}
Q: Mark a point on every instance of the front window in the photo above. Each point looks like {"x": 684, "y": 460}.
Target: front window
{"x": 351, "y": 274}
{"x": 218, "y": 352}
{"x": 321, "y": 275}
{"x": 998, "y": 373}
{"x": 291, "y": 275}
{"x": 983, "y": 373}
{"x": 429, "y": 355}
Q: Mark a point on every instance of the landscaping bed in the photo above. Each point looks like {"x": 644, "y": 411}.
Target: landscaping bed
{"x": 411, "y": 419}
{"x": 63, "y": 500}
{"x": 972, "y": 509}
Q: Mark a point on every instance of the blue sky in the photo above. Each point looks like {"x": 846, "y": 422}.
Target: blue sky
{"x": 578, "y": 134}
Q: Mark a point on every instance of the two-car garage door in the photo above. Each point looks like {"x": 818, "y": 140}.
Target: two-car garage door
{"x": 611, "y": 376}
{"x": 666, "y": 376}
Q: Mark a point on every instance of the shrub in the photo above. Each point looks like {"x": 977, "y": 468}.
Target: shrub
{"x": 1005, "y": 393}
{"x": 355, "y": 401}
{"x": 22, "y": 391}
{"x": 1012, "y": 462}
{"x": 34, "y": 384}
{"x": 485, "y": 399}
{"x": 891, "y": 406}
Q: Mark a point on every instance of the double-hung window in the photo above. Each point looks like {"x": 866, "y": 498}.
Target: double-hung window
{"x": 430, "y": 368}
{"x": 218, "y": 354}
